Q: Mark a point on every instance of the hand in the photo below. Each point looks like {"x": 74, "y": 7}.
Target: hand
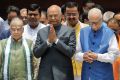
{"x": 87, "y": 58}
{"x": 93, "y": 55}
{"x": 52, "y": 35}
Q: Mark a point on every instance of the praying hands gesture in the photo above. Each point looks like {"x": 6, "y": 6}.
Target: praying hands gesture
{"x": 89, "y": 56}
{"x": 52, "y": 35}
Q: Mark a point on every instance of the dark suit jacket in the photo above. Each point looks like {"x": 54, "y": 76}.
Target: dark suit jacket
{"x": 56, "y": 61}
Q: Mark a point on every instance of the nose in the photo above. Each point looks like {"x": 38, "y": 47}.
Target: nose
{"x": 71, "y": 16}
{"x": 53, "y": 17}
{"x": 16, "y": 31}
{"x": 32, "y": 16}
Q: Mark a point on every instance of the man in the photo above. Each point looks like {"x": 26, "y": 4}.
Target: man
{"x": 117, "y": 16}
{"x": 87, "y": 5}
{"x": 12, "y": 12}
{"x": 16, "y": 54}
{"x": 43, "y": 18}
{"x": 115, "y": 25}
{"x": 55, "y": 45}
{"x": 72, "y": 20}
{"x": 63, "y": 14}
{"x": 33, "y": 26}
{"x": 99, "y": 47}
{"x": 23, "y": 15}
{"x": 108, "y": 15}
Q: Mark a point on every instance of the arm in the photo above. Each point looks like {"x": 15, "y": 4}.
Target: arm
{"x": 112, "y": 51}
{"x": 69, "y": 49}
{"x": 40, "y": 47}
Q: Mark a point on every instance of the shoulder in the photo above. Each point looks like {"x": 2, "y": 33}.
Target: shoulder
{"x": 41, "y": 25}
{"x": 3, "y": 42}
{"x": 1, "y": 20}
{"x": 106, "y": 28}
{"x": 66, "y": 28}
{"x": 44, "y": 29}
{"x": 87, "y": 28}
{"x": 6, "y": 31}
{"x": 5, "y": 34}
{"x": 25, "y": 28}
{"x": 29, "y": 41}
{"x": 83, "y": 25}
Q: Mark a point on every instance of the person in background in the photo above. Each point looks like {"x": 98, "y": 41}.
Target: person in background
{"x": 33, "y": 25}
{"x": 56, "y": 46}
{"x": 43, "y": 18}
{"x": 107, "y": 15}
{"x": 117, "y": 16}
{"x": 12, "y": 11}
{"x": 72, "y": 20}
{"x": 23, "y": 15}
{"x": 115, "y": 25}
{"x": 1, "y": 25}
{"x": 99, "y": 48}
{"x": 16, "y": 57}
{"x": 63, "y": 19}
{"x": 87, "y": 5}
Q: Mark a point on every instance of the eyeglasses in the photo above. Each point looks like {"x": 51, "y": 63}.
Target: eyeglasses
{"x": 16, "y": 29}
{"x": 95, "y": 23}
{"x": 71, "y": 14}
{"x": 31, "y": 14}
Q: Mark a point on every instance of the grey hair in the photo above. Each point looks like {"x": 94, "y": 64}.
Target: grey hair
{"x": 107, "y": 15}
{"x": 16, "y": 22}
{"x": 95, "y": 11}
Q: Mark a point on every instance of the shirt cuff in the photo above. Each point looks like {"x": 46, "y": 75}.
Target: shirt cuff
{"x": 79, "y": 56}
{"x": 48, "y": 43}
{"x": 56, "y": 41}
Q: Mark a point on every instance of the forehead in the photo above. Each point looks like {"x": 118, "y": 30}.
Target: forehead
{"x": 117, "y": 16}
{"x": 94, "y": 18}
{"x": 16, "y": 24}
{"x": 113, "y": 23}
{"x": 72, "y": 9}
{"x": 16, "y": 27}
{"x": 35, "y": 11}
{"x": 53, "y": 11}
{"x": 12, "y": 13}
{"x": 23, "y": 13}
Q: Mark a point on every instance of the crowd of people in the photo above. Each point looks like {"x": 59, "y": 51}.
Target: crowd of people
{"x": 62, "y": 43}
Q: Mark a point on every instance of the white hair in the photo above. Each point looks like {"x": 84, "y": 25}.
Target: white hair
{"x": 16, "y": 22}
{"x": 107, "y": 15}
{"x": 95, "y": 11}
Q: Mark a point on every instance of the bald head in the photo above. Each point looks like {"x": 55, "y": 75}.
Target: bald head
{"x": 54, "y": 15}
{"x": 54, "y": 7}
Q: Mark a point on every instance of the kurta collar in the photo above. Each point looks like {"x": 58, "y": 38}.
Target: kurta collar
{"x": 13, "y": 41}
